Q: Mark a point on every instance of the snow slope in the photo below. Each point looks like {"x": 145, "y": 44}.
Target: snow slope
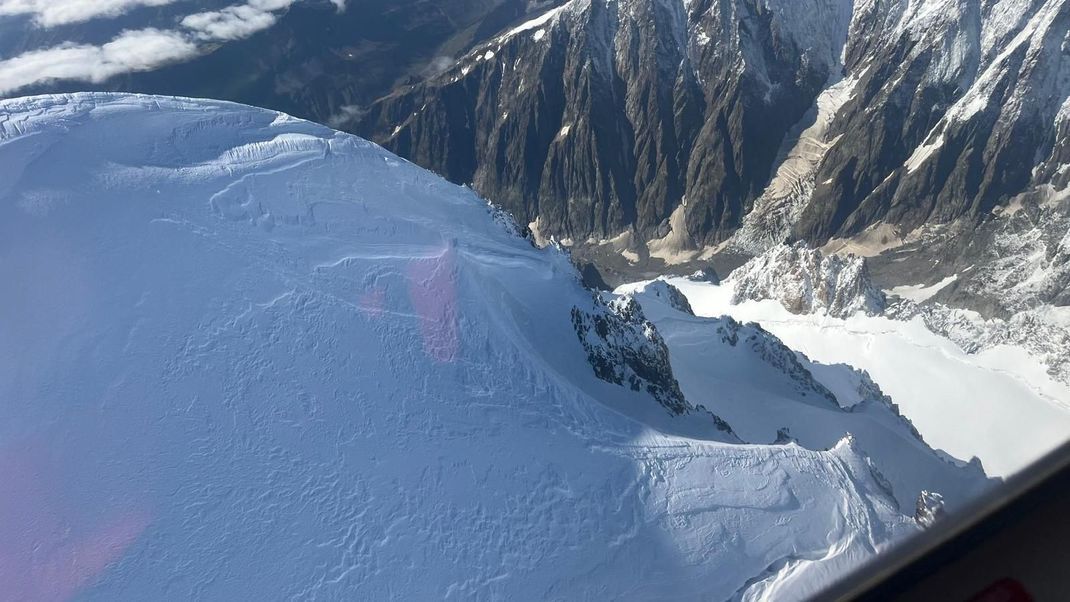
{"x": 247, "y": 357}
{"x": 999, "y": 405}
{"x": 737, "y": 372}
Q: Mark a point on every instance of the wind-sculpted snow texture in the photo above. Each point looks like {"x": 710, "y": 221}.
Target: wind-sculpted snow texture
{"x": 248, "y": 357}
{"x": 806, "y": 280}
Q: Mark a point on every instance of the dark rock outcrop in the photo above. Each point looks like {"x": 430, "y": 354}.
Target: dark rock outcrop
{"x": 929, "y": 508}
{"x": 625, "y": 349}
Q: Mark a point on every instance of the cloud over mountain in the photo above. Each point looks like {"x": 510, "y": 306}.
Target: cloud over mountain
{"x": 235, "y": 22}
{"x": 51, "y": 13}
{"x": 140, "y": 50}
{"x": 132, "y": 50}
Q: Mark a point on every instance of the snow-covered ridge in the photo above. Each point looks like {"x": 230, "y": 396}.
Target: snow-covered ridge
{"x": 662, "y": 290}
{"x": 536, "y": 24}
{"x": 250, "y": 357}
{"x": 768, "y": 392}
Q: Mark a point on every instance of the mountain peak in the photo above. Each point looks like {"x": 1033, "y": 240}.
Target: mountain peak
{"x": 234, "y": 335}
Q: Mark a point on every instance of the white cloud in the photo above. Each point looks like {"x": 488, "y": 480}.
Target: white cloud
{"x": 50, "y": 13}
{"x": 140, "y": 50}
{"x": 235, "y": 22}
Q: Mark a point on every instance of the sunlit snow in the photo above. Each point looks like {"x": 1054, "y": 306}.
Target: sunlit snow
{"x": 248, "y": 357}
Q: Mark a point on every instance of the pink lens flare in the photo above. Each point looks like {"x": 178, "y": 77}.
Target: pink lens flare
{"x": 47, "y": 553}
{"x": 373, "y": 302}
{"x": 433, "y": 291}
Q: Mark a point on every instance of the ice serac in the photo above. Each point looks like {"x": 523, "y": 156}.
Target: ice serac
{"x": 805, "y": 280}
{"x": 245, "y": 356}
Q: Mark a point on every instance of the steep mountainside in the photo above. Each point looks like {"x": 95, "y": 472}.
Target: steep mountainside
{"x": 317, "y": 59}
{"x": 654, "y": 135}
{"x": 678, "y": 129}
{"x": 961, "y": 108}
{"x": 602, "y": 116}
{"x": 245, "y": 356}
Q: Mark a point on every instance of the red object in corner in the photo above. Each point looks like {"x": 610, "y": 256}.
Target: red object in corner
{"x": 1004, "y": 590}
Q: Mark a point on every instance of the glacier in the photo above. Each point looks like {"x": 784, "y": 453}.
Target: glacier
{"x": 969, "y": 393}
{"x": 243, "y": 356}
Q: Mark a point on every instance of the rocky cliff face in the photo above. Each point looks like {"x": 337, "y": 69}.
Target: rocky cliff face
{"x": 959, "y": 106}
{"x": 601, "y": 117}
{"x": 624, "y": 348}
{"x": 687, "y": 124}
